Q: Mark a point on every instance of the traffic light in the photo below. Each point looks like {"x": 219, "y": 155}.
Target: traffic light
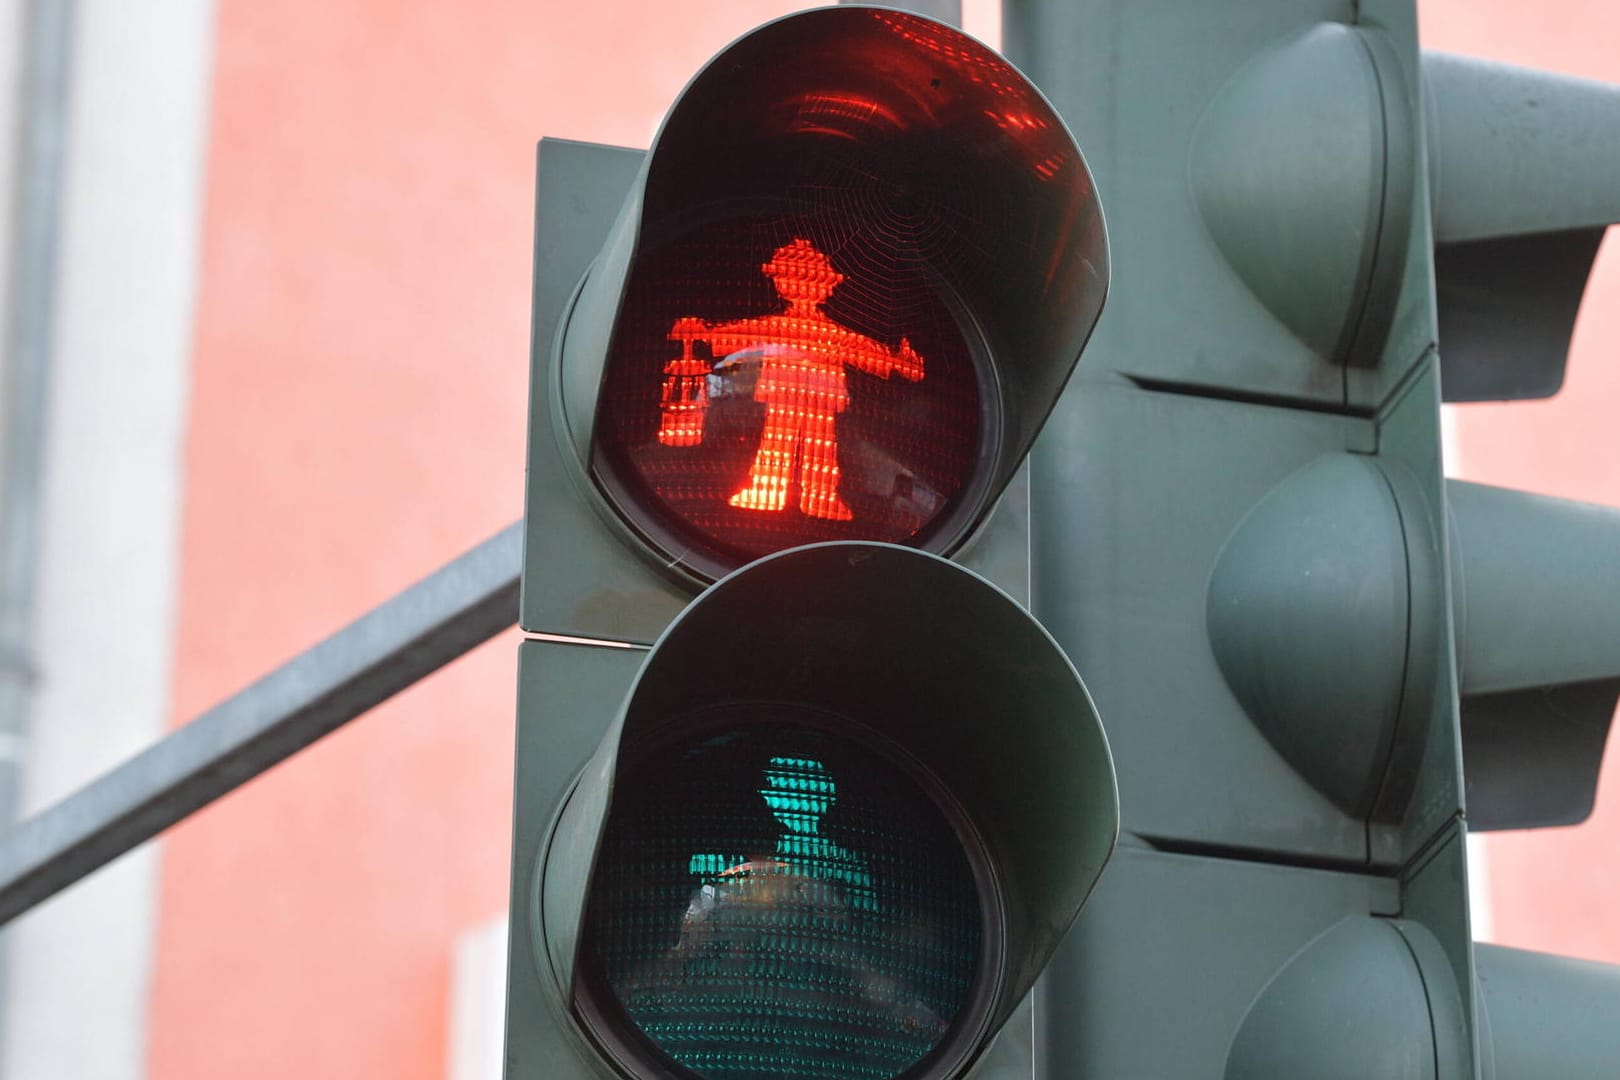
{"x": 836, "y": 820}
{"x": 839, "y": 297}
{"x": 1309, "y": 647}
{"x": 836, "y": 829}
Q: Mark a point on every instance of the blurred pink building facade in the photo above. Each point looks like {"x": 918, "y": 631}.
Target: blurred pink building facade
{"x": 352, "y": 241}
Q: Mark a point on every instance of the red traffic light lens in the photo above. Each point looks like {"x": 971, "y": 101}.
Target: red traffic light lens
{"x": 777, "y": 380}
{"x": 861, "y": 260}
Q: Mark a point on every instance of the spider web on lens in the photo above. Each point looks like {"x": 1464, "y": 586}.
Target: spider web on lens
{"x": 891, "y": 232}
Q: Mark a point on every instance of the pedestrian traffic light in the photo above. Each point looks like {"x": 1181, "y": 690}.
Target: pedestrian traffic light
{"x": 839, "y": 297}
{"x": 847, "y": 810}
{"x": 1307, "y": 644}
{"x": 836, "y": 820}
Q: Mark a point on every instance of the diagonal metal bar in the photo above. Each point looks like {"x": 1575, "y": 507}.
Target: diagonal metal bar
{"x": 441, "y": 617}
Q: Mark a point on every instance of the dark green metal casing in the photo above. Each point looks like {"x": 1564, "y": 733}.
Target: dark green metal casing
{"x": 1296, "y": 628}
{"x": 1229, "y": 380}
{"x": 929, "y": 657}
{"x": 1522, "y": 168}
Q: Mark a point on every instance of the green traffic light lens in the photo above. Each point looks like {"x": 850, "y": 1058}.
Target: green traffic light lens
{"x": 771, "y": 902}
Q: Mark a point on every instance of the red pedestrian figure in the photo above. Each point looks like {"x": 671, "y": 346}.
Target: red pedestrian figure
{"x": 802, "y": 353}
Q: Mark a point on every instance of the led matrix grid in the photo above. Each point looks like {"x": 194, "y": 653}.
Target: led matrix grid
{"x": 793, "y": 374}
{"x": 772, "y": 902}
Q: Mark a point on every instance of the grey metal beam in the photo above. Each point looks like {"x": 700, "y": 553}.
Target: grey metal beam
{"x": 438, "y": 619}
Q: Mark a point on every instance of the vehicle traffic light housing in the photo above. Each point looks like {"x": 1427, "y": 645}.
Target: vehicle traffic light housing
{"x": 1308, "y": 644}
{"x": 839, "y": 298}
{"x": 852, "y": 800}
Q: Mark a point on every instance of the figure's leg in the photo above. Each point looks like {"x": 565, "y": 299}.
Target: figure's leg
{"x": 773, "y": 464}
{"x": 818, "y": 469}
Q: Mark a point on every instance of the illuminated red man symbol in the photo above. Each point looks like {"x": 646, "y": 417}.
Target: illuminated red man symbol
{"x": 802, "y": 354}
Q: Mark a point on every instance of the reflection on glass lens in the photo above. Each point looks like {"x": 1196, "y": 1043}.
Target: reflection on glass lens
{"x": 773, "y": 902}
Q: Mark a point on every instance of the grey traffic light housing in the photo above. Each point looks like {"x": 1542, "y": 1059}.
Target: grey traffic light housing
{"x": 1305, "y": 639}
{"x": 927, "y": 658}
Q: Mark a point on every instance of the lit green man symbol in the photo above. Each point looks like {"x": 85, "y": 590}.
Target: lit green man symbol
{"x": 799, "y": 792}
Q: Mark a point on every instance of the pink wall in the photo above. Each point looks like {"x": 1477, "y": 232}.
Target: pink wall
{"x": 358, "y": 419}
{"x": 1556, "y": 889}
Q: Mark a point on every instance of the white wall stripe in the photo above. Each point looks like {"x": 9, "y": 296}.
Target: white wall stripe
{"x": 982, "y": 19}
{"x": 478, "y": 1003}
{"x": 120, "y": 371}
{"x": 1480, "y": 914}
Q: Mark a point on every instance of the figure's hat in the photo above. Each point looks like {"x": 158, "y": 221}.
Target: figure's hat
{"x": 800, "y": 261}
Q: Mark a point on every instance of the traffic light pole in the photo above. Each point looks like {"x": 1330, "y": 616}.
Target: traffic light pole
{"x": 412, "y": 635}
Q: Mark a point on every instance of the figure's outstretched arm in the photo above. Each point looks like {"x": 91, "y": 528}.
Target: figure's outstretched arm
{"x": 727, "y": 338}
{"x": 874, "y": 358}
{"x": 907, "y": 363}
